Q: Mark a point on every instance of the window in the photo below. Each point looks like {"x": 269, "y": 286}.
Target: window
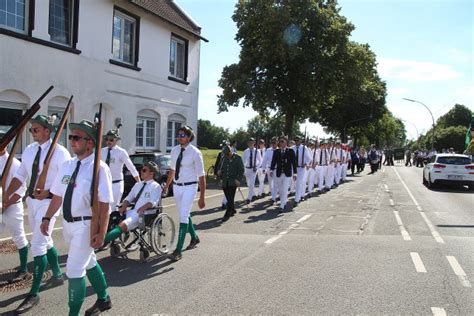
{"x": 175, "y": 122}
{"x": 124, "y": 37}
{"x": 60, "y": 21}
{"x": 146, "y": 133}
{"x": 10, "y": 114}
{"x": 178, "y": 57}
{"x": 59, "y": 115}
{"x": 14, "y": 15}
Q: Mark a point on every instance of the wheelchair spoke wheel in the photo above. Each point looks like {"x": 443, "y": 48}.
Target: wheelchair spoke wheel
{"x": 162, "y": 234}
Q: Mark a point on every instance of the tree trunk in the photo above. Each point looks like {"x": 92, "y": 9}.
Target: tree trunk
{"x": 289, "y": 118}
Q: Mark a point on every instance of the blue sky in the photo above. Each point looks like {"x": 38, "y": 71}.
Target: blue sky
{"x": 424, "y": 50}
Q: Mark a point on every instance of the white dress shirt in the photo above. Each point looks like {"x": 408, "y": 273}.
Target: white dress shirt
{"x": 303, "y": 155}
{"x": 13, "y": 170}
{"x": 192, "y": 165}
{"x": 151, "y": 193}
{"x": 118, "y": 157}
{"x": 256, "y": 158}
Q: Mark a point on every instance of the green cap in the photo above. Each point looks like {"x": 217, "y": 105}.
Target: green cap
{"x": 114, "y": 133}
{"x": 87, "y": 127}
{"x": 45, "y": 121}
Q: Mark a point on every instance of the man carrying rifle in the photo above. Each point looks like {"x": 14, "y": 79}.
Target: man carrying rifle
{"x": 72, "y": 190}
{"x": 13, "y": 215}
{"x": 42, "y": 247}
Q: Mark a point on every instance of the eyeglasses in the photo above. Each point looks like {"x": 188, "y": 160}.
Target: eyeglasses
{"x": 145, "y": 170}
{"x": 110, "y": 139}
{"x": 77, "y": 138}
{"x": 181, "y": 135}
{"x": 34, "y": 130}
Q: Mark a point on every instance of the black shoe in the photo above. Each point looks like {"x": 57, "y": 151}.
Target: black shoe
{"x": 225, "y": 218}
{"x": 99, "y": 307}
{"x": 19, "y": 275}
{"x": 233, "y": 212}
{"x": 56, "y": 281}
{"x": 28, "y": 303}
{"x": 223, "y": 206}
{"x": 248, "y": 201}
{"x": 295, "y": 204}
{"x": 193, "y": 243}
{"x": 175, "y": 256}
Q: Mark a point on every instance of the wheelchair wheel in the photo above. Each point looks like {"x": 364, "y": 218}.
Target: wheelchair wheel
{"x": 162, "y": 234}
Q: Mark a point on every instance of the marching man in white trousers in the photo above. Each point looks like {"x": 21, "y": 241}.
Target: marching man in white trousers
{"x": 261, "y": 170}
{"x": 323, "y": 167}
{"x": 314, "y": 171}
{"x": 266, "y": 164}
{"x": 303, "y": 161}
{"x": 252, "y": 160}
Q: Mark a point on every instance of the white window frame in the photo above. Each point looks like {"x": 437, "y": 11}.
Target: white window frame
{"x": 123, "y": 17}
{"x": 174, "y": 130}
{"x": 26, "y": 19}
{"x": 145, "y": 133}
{"x": 22, "y": 108}
{"x": 71, "y": 25}
{"x": 60, "y": 111}
{"x": 173, "y": 68}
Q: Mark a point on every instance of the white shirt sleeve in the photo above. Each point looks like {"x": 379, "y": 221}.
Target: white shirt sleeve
{"x": 56, "y": 187}
{"x": 198, "y": 164}
{"x": 128, "y": 162}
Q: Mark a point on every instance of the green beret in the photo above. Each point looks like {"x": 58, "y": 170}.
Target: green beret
{"x": 45, "y": 121}
{"x": 87, "y": 127}
{"x": 113, "y": 133}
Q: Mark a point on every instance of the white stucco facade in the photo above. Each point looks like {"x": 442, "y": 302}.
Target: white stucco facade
{"x": 29, "y": 68}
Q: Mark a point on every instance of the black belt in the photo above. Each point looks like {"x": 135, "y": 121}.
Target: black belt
{"x": 116, "y": 181}
{"x": 79, "y": 219}
{"x": 249, "y": 167}
{"x": 49, "y": 197}
{"x": 185, "y": 183}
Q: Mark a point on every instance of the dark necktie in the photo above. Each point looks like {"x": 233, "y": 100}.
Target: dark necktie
{"x": 34, "y": 172}
{"x": 68, "y": 195}
{"x": 135, "y": 200}
{"x": 107, "y": 160}
{"x": 251, "y": 158}
{"x": 297, "y": 155}
{"x": 178, "y": 164}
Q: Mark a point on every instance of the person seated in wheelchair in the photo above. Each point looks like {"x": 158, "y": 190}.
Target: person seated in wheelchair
{"x": 143, "y": 196}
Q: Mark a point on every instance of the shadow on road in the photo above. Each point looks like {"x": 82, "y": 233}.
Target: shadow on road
{"x": 450, "y": 189}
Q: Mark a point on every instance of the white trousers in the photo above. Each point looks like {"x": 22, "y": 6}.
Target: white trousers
{"x": 344, "y": 171}
{"x": 117, "y": 191}
{"x": 337, "y": 177}
{"x": 80, "y": 256}
{"x": 283, "y": 182}
{"x": 12, "y": 219}
{"x": 261, "y": 181}
{"x": 250, "y": 176}
{"x": 313, "y": 178}
{"x": 322, "y": 176}
{"x": 184, "y": 198}
{"x": 300, "y": 188}
{"x": 36, "y": 211}
{"x": 292, "y": 185}
{"x": 273, "y": 186}
{"x": 329, "y": 176}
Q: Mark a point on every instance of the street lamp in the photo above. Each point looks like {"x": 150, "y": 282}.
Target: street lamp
{"x": 353, "y": 121}
{"x": 432, "y": 118}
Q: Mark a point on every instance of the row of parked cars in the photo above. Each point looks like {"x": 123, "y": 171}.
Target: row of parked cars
{"x": 452, "y": 169}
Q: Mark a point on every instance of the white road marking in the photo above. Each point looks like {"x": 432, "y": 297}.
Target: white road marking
{"x": 391, "y": 202}
{"x": 28, "y": 234}
{"x": 273, "y": 239}
{"x": 419, "y": 266}
{"x": 361, "y": 181}
{"x": 386, "y": 187}
{"x": 433, "y": 231}
{"x": 383, "y": 170}
{"x": 438, "y": 311}
{"x": 458, "y": 271}
{"x": 304, "y": 218}
{"x": 403, "y": 231}
{"x": 292, "y": 226}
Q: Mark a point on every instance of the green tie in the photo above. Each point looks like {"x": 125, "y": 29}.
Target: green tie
{"x": 107, "y": 160}
{"x": 34, "y": 172}
{"x": 68, "y": 196}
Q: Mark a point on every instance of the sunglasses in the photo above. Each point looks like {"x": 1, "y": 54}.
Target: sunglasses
{"x": 145, "y": 170}
{"x": 110, "y": 139}
{"x": 77, "y": 138}
{"x": 34, "y": 130}
{"x": 181, "y": 135}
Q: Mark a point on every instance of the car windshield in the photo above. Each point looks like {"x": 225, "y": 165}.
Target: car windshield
{"x": 164, "y": 161}
{"x": 454, "y": 160}
{"x": 138, "y": 161}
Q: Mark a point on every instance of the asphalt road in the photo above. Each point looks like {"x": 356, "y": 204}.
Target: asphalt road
{"x": 378, "y": 244}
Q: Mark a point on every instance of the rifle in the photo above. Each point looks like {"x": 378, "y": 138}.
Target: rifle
{"x": 15, "y": 130}
{"x": 47, "y": 160}
{"x": 96, "y": 226}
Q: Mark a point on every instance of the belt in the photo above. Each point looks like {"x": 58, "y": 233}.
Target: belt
{"x": 185, "y": 183}
{"x": 116, "y": 181}
{"x": 249, "y": 167}
{"x": 79, "y": 219}
{"x": 31, "y": 196}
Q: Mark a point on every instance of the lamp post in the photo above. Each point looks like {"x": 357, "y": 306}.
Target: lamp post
{"x": 353, "y": 121}
{"x": 432, "y": 118}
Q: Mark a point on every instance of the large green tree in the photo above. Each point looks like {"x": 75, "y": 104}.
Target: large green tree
{"x": 210, "y": 135}
{"x": 291, "y": 52}
{"x": 266, "y": 128}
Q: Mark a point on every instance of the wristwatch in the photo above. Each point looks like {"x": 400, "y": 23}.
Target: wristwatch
{"x": 46, "y": 218}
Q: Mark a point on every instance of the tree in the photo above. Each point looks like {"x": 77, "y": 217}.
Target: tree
{"x": 240, "y": 136}
{"x": 459, "y": 115}
{"x": 211, "y": 136}
{"x": 288, "y": 61}
{"x": 387, "y": 131}
{"x": 452, "y": 136}
{"x": 266, "y": 128}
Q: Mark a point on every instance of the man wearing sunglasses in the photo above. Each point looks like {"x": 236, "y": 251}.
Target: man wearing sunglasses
{"x": 284, "y": 167}
{"x": 187, "y": 168}
{"x": 115, "y": 157}
{"x": 72, "y": 190}
{"x": 143, "y": 196}
{"x": 42, "y": 247}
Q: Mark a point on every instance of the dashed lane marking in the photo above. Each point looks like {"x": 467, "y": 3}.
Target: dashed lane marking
{"x": 438, "y": 311}
{"x": 419, "y": 266}
{"x": 458, "y": 270}
{"x": 430, "y": 225}
{"x": 292, "y": 227}
{"x": 391, "y": 202}
{"x": 403, "y": 230}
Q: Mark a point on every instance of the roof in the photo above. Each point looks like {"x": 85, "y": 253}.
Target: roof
{"x": 170, "y": 12}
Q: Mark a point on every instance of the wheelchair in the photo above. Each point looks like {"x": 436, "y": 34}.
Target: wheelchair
{"x": 156, "y": 232}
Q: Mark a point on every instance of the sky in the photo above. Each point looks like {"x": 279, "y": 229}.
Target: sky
{"x": 424, "y": 52}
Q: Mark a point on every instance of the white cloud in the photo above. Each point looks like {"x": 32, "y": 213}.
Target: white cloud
{"x": 458, "y": 56}
{"x": 415, "y": 71}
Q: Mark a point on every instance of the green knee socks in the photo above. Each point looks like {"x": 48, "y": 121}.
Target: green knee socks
{"x": 40, "y": 263}
{"x": 97, "y": 280}
{"x": 191, "y": 229}
{"x": 183, "y": 229}
{"x": 53, "y": 261}
{"x": 77, "y": 294}
{"x": 23, "y": 252}
{"x": 114, "y": 233}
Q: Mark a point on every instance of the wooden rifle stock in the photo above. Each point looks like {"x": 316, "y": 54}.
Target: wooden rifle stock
{"x": 27, "y": 116}
{"x": 96, "y": 220}
{"x": 44, "y": 173}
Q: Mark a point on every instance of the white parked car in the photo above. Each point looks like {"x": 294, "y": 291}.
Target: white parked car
{"x": 449, "y": 168}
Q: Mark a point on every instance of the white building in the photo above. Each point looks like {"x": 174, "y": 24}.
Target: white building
{"x": 139, "y": 58}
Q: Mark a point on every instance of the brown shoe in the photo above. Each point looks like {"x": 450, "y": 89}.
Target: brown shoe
{"x": 193, "y": 243}
{"x": 175, "y": 256}
{"x": 28, "y": 303}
